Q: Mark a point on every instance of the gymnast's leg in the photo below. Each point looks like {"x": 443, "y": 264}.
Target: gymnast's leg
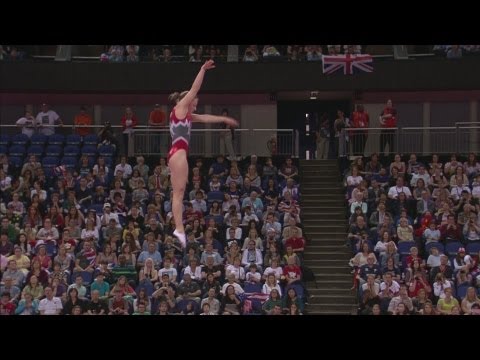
{"x": 178, "y": 165}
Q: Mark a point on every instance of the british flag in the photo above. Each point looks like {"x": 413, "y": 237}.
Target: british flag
{"x": 349, "y": 63}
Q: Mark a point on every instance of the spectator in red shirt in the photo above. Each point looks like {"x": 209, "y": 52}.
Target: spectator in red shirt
{"x": 388, "y": 120}
{"x": 6, "y": 307}
{"x": 360, "y": 120}
{"x": 296, "y": 242}
{"x": 82, "y": 122}
{"x": 158, "y": 119}
{"x": 292, "y": 272}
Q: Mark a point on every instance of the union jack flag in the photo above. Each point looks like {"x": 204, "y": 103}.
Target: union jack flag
{"x": 349, "y": 63}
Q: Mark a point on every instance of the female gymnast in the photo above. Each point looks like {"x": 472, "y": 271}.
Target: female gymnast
{"x": 181, "y": 119}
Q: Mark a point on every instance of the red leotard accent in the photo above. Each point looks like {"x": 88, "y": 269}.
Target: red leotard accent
{"x": 180, "y": 132}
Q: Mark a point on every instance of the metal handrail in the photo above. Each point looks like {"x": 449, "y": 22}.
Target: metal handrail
{"x": 429, "y": 128}
{"x": 431, "y": 139}
{"x": 371, "y": 128}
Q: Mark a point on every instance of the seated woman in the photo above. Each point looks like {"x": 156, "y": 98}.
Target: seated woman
{"x": 272, "y": 264}
{"x": 33, "y": 288}
{"x": 236, "y": 269}
{"x": 27, "y": 306}
{"x": 390, "y": 252}
{"x": 353, "y": 180}
{"x": 271, "y": 284}
{"x": 404, "y": 231}
{"x": 445, "y": 305}
{"x": 361, "y": 258}
{"x": 148, "y": 272}
{"x": 39, "y": 272}
{"x": 381, "y": 245}
{"x": 273, "y": 300}
{"x": 292, "y": 298}
{"x": 459, "y": 177}
{"x": 419, "y": 301}
{"x": 142, "y": 297}
{"x": 368, "y": 301}
{"x": 72, "y": 301}
{"x": 124, "y": 288}
{"x": 231, "y": 303}
{"x": 471, "y": 302}
{"x": 411, "y": 266}
{"x": 289, "y": 253}
{"x": 399, "y": 164}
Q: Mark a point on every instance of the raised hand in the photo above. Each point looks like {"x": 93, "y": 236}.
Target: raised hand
{"x": 209, "y": 64}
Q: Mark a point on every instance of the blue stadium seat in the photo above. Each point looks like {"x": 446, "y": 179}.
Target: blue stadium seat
{"x": 4, "y": 139}
{"x": 38, "y": 139}
{"x": 86, "y": 276}
{"x": 473, "y": 248}
{"x": 215, "y": 196}
{"x": 106, "y": 150}
{"x": 3, "y": 150}
{"x": 217, "y": 218}
{"x": 89, "y": 150}
{"x": 462, "y": 291}
{"x": 452, "y": 248}
{"x": 73, "y": 139}
{"x": 56, "y": 139}
{"x": 69, "y": 162}
{"x": 91, "y": 139}
{"x": 20, "y": 139}
{"x": 36, "y": 150}
{"x": 17, "y": 150}
{"x": 91, "y": 161}
{"x": 147, "y": 285}
{"x": 122, "y": 220}
{"x": 16, "y": 161}
{"x": 252, "y": 288}
{"x": 108, "y": 162}
{"x": 98, "y": 208}
{"x": 71, "y": 150}
{"x": 298, "y": 289}
{"x": 53, "y": 150}
{"x": 438, "y": 245}
{"x": 50, "y": 161}
{"x": 404, "y": 247}
{"x": 182, "y": 305}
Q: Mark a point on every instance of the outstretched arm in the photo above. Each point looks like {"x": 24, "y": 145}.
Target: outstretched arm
{"x": 207, "y": 118}
{"x": 182, "y": 106}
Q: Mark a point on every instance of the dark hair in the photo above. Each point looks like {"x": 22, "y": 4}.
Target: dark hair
{"x": 225, "y": 110}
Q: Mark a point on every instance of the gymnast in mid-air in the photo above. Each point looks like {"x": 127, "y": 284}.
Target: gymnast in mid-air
{"x": 181, "y": 118}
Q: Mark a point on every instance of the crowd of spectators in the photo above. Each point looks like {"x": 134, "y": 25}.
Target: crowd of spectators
{"x": 11, "y": 53}
{"x": 414, "y": 231}
{"x": 247, "y": 53}
{"x": 456, "y": 51}
{"x": 95, "y": 237}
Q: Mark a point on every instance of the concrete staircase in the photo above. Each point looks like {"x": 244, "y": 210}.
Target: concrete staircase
{"x": 323, "y": 216}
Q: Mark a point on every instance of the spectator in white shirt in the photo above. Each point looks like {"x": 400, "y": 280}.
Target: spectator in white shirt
{"x": 50, "y": 305}
{"x": 399, "y": 188}
{"x": 46, "y": 119}
{"x": 124, "y": 167}
{"x": 27, "y": 123}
